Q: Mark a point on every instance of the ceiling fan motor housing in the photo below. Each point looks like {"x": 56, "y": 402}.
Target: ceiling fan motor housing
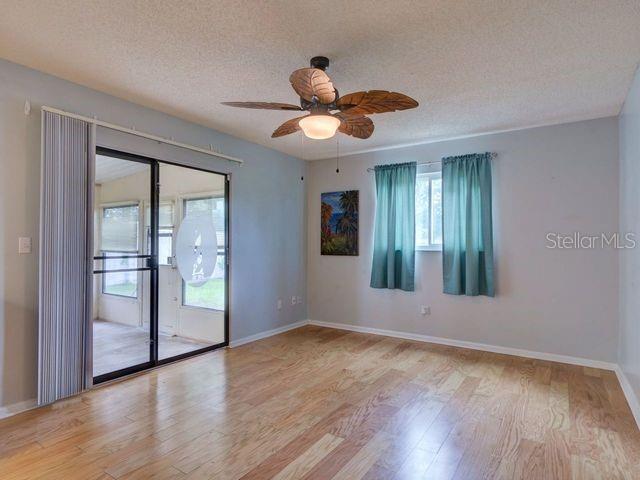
{"x": 316, "y": 105}
{"x": 321, "y": 63}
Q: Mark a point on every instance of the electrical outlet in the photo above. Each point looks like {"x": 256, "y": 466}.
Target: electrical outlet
{"x": 299, "y": 300}
{"x": 425, "y": 310}
{"x": 279, "y": 304}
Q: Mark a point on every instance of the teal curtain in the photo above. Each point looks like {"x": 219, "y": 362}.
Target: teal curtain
{"x": 467, "y": 242}
{"x": 394, "y": 238}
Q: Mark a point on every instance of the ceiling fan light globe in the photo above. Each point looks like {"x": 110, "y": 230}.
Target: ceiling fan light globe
{"x": 319, "y": 127}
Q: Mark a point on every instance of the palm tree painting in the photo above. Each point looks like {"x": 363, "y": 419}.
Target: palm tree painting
{"x": 339, "y": 223}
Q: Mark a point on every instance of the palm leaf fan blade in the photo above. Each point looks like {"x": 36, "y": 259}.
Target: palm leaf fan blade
{"x": 263, "y": 105}
{"x": 288, "y": 127}
{"x": 310, "y": 82}
{"x": 357, "y": 126}
{"x": 374, "y": 101}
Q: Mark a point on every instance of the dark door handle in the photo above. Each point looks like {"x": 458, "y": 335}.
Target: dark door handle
{"x": 151, "y": 262}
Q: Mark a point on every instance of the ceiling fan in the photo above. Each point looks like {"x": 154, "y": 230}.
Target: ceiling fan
{"x": 319, "y": 97}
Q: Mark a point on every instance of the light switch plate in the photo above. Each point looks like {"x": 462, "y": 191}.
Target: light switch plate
{"x": 24, "y": 245}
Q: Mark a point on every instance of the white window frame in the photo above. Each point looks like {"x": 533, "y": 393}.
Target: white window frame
{"x": 431, "y": 175}
{"x": 181, "y": 199}
{"x": 119, "y": 204}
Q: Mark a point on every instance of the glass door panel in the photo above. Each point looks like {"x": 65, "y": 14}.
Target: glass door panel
{"x": 192, "y": 283}
{"x": 121, "y": 332}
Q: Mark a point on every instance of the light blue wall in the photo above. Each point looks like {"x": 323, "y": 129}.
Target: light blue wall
{"x": 560, "y": 178}
{"x": 268, "y": 241}
{"x": 629, "y": 355}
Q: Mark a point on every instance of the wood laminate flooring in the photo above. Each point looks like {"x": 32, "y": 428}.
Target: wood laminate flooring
{"x": 318, "y": 403}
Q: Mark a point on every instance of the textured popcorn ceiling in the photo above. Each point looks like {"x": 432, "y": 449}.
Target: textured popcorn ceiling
{"x": 474, "y": 66}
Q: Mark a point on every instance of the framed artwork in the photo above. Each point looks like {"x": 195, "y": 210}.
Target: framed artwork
{"x": 339, "y": 223}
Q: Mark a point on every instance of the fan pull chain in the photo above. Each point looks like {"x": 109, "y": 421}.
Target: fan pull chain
{"x": 302, "y": 155}
{"x": 337, "y": 154}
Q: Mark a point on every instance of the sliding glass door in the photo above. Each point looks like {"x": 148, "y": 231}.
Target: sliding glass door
{"x": 160, "y": 263}
{"x": 192, "y": 273}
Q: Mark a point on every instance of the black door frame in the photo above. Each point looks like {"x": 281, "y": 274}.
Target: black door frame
{"x": 152, "y": 266}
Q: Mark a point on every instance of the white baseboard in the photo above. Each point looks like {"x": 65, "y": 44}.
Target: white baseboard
{"x": 629, "y": 393}
{"x": 18, "y": 407}
{"x": 268, "y": 333}
{"x": 552, "y": 357}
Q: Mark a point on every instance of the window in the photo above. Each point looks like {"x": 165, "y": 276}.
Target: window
{"x": 429, "y": 211}
{"x": 165, "y": 232}
{"x": 119, "y": 237}
{"x": 212, "y": 293}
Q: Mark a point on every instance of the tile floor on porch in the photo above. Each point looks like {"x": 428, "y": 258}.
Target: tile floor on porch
{"x": 117, "y": 346}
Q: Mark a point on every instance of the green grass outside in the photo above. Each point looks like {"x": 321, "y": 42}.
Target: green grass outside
{"x": 209, "y": 295}
{"x": 127, "y": 289}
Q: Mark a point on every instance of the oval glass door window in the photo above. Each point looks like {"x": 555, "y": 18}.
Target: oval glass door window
{"x": 196, "y": 249}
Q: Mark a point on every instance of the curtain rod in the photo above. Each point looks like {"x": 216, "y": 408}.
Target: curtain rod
{"x": 130, "y": 131}
{"x": 419, "y": 163}
{"x": 431, "y": 162}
